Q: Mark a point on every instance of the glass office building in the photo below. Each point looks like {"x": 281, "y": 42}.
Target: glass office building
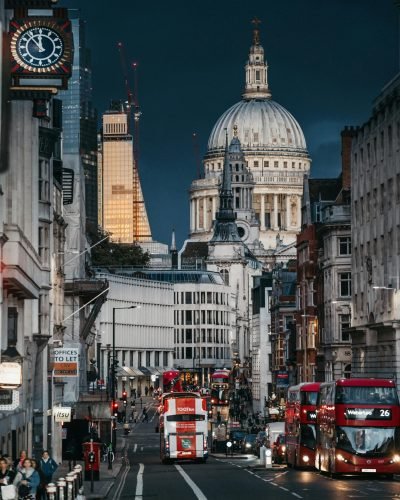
{"x": 122, "y": 209}
{"x": 80, "y": 117}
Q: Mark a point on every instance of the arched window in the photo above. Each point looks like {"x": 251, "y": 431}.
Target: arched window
{"x": 347, "y": 371}
{"x": 225, "y": 276}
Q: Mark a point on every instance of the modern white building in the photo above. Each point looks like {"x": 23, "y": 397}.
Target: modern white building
{"x": 203, "y": 324}
{"x": 144, "y": 336}
{"x": 375, "y": 222}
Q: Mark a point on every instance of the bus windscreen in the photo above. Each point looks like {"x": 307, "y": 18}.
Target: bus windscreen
{"x": 185, "y": 418}
{"x": 366, "y": 395}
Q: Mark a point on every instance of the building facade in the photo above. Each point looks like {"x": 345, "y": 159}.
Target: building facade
{"x": 375, "y": 172}
{"x": 261, "y": 342}
{"x": 144, "y": 336}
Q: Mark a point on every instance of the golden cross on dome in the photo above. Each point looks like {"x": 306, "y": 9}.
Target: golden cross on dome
{"x": 256, "y": 31}
{"x": 235, "y": 130}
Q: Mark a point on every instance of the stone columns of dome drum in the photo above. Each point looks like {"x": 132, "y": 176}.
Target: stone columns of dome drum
{"x": 287, "y": 212}
{"x": 197, "y": 213}
{"x": 275, "y": 211}
{"x": 192, "y": 215}
{"x": 262, "y": 212}
{"x": 214, "y": 206}
{"x": 205, "y": 221}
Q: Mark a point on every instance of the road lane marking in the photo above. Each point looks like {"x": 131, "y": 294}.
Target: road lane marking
{"x": 196, "y": 490}
{"x": 135, "y": 448}
{"x": 121, "y": 484}
{"x": 283, "y": 488}
{"x": 296, "y": 495}
{"x": 139, "y": 483}
{"x": 141, "y": 448}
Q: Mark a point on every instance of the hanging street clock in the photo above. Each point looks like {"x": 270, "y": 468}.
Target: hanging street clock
{"x": 41, "y": 51}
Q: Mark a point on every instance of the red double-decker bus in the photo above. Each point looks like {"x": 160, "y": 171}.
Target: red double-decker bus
{"x": 220, "y": 388}
{"x": 171, "y": 381}
{"x": 300, "y": 421}
{"x": 358, "y": 427}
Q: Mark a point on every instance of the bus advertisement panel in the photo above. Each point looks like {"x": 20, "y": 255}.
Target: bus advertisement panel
{"x": 300, "y": 421}
{"x": 183, "y": 428}
{"x": 358, "y": 427}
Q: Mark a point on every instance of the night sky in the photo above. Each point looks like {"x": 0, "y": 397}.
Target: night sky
{"x": 327, "y": 61}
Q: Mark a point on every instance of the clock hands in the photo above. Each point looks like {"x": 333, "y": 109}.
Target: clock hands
{"x": 41, "y": 49}
{"x": 37, "y": 43}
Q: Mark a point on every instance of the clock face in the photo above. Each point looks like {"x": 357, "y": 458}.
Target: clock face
{"x": 39, "y": 47}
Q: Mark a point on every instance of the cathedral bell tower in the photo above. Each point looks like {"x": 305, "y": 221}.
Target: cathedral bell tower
{"x": 256, "y": 69}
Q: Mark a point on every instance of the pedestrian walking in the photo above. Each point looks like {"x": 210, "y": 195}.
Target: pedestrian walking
{"x": 27, "y": 481}
{"x": 134, "y": 393}
{"x": 48, "y": 466}
{"x": 135, "y": 416}
{"x": 145, "y": 417}
{"x": 6, "y": 479}
{"x": 41, "y": 490}
{"x": 18, "y": 464}
{"x": 146, "y": 391}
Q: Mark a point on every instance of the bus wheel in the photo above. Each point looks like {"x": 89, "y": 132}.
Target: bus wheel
{"x": 295, "y": 466}
{"x": 389, "y": 476}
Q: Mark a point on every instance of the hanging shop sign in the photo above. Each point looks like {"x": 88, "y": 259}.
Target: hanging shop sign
{"x": 9, "y": 400}
{"x": 10, "y": 375}
{"x": 62, "y": 413}
{"x": 66, "y": 362}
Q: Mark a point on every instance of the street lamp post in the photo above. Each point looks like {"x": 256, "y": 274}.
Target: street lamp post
{"x": 113, "y": 388}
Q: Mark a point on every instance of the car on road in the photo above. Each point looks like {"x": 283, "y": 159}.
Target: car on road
{"x": 236, "y": 437}
{"x": 279, "y": 449}
{"x": 249, "y": 443}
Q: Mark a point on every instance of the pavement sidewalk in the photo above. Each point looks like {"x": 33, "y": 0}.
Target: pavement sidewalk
{"x": 103, "y": 486}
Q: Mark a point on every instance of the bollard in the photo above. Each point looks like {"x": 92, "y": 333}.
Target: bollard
{"x": 70, "y": 487}
{"x": 76, "y": 483}
{"x": 263, "y": 450}
{"x": 229, "y": 448}
{"x": 61, "y": 489}
{"x": 78, "y": 469}
{"x": 51, "y": 491}
{"x": 268, "y": 458}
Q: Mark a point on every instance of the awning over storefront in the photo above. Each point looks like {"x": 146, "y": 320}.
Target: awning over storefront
{"x": 152, "y": 370}
{"x": 126, "y": 371}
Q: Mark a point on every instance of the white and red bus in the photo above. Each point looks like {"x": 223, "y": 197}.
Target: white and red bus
{"x": 358, "y": 427}
{"x": 300, "y": 424}
{"x": 183, "y": 427}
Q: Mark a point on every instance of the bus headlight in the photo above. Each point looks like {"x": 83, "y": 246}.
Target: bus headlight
{"x": 396, "y": 458}
{"x": 306, "y": 458}
{"x": 283, "y": 449}
{"x": 341, "y": 458}
{"x": 248, "y": 445}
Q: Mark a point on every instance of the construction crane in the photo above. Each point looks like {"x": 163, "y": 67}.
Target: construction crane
{"x": 134, "y": 114}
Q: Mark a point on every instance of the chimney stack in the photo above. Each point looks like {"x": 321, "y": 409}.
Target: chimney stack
{"x": 347, "y": 138}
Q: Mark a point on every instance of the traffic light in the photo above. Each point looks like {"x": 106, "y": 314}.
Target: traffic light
{"x": 124, "y": 396}
{"x": 114, "y": 408}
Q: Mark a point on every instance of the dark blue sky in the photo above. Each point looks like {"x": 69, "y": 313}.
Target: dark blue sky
{"x": 327, "y": 61}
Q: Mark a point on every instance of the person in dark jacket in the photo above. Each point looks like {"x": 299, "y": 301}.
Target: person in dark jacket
{"x": 7, "y": 475}
{"x": 41, "y": 490}
{"x": 48, "y": 466}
